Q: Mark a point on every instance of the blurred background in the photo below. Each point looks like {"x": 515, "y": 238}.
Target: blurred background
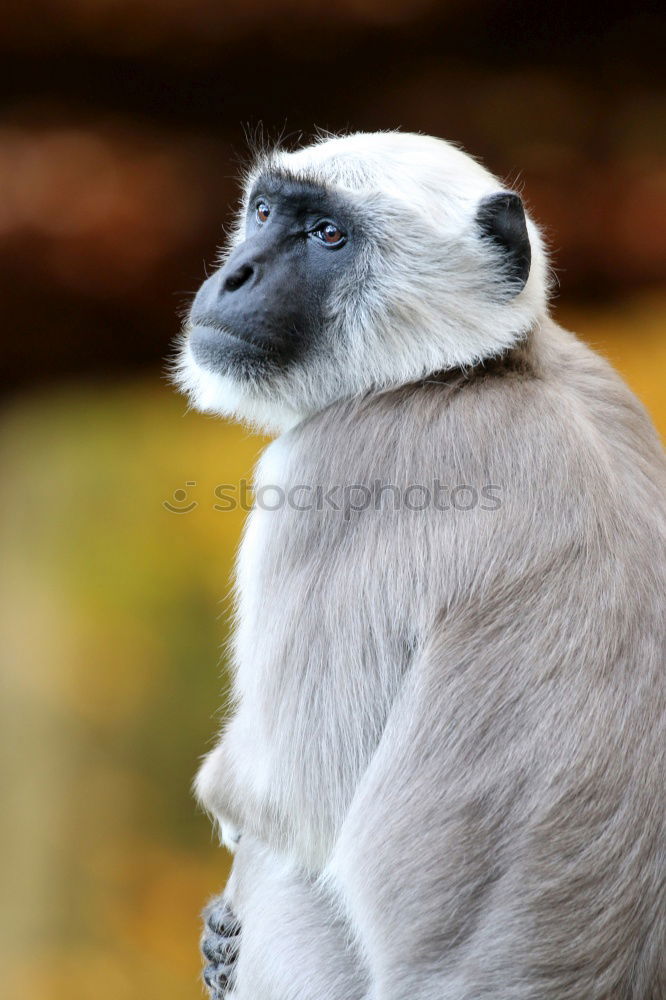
{"x": 122, "y": 125}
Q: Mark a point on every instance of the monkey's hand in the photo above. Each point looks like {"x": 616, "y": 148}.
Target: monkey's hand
{"x": 219, "y": 945}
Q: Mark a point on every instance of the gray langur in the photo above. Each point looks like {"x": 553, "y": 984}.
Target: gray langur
{"x": 443, "y": 774}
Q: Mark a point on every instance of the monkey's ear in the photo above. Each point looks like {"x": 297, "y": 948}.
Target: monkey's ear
{"x": 501, "y": 218}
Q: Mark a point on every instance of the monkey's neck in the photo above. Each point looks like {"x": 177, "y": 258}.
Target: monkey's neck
{"x": 520, "y": 360}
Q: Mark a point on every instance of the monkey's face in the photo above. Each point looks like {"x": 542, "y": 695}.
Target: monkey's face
{"x": 265, "y": 309}
{"x": 359, "y": 263}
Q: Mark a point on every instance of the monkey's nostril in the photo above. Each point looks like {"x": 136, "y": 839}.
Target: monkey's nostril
{"x": 238, "y": 277}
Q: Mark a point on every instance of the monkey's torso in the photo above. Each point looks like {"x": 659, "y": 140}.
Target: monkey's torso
{"x": 494, "y": 669}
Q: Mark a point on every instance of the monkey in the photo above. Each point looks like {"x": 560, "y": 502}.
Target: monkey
{"x": 442, "y": 773}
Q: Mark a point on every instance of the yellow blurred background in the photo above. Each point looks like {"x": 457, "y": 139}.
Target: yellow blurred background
{"x": 122, "y": 124}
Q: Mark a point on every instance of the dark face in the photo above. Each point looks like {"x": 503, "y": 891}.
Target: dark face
{"x": 266, "y": 307}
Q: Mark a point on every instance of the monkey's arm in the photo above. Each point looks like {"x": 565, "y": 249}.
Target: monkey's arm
{"x": 505, "y": 832}
{"x": 292, "y": 943}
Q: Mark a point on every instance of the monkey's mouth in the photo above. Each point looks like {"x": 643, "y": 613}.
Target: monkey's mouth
{"x": 217, "y": 348}
{"x": 220, "y": 348}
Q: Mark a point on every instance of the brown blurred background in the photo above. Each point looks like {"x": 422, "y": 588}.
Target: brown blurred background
{"x": 122, "y": 123}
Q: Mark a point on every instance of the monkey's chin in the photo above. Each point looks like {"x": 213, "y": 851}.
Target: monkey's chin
{"x": 237, "y": 388}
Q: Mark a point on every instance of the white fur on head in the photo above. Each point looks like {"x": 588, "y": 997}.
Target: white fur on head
{"x": 427, "y": 292}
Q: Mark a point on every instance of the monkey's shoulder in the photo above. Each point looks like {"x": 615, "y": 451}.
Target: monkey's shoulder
{"x": 549, "y": 386}
{"x": 548, "y": 409}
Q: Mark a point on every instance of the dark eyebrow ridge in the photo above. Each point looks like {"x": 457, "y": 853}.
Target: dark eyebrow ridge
{"x": 281, "y": 180}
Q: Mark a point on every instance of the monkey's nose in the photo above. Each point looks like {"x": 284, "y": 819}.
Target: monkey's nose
{"x": 238, "y": 277}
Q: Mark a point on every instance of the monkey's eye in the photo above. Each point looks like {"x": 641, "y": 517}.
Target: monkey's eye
{"x": 329, "y": 234}
{"x": 263, "y": 211}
